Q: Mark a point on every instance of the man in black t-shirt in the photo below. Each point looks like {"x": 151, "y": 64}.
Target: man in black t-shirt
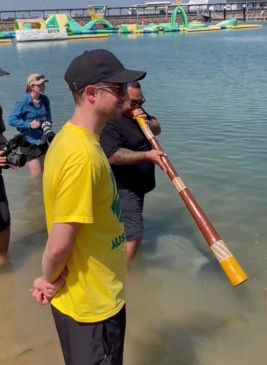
{"x": 133, "y": 162}
{"x": 4, "y": 210}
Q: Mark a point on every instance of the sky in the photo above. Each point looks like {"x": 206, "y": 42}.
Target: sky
{"x": 62, "y": 4}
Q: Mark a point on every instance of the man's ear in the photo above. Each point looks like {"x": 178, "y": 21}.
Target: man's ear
{"x": 90, "y": 92}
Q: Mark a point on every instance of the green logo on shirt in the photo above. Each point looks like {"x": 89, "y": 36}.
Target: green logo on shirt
{"x": 115, "y": 206}
{"x": 116, "y": 242}
{"x": 116, "y": 209}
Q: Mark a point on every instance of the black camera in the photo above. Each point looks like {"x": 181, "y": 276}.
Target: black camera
{"x": 12, "y": 157}
{"x": 46, "y": 126}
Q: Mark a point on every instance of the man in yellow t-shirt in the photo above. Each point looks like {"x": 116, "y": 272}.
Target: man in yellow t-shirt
{"x": 84, "y": 260}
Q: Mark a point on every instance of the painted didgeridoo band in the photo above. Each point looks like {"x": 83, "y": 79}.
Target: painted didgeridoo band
{"x": 230, "y": 266}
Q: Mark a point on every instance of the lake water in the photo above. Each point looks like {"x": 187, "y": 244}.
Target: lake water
{"x": 208, "y": 90}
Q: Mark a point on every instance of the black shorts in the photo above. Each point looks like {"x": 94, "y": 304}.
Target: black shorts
{"x": 4, "y": 209}
{"x": 32, "y": 151}
{"x": 132, "y": 212}
{"x": 91, "y": 343}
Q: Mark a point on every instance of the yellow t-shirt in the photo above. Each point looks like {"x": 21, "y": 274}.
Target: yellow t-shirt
{"x": 79, "y": 187}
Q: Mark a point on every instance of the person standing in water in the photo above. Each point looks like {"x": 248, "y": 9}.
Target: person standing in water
{"x": 28, "y": 116}
{"x": 84, "y": 261}
{"x": 133, "y": 162}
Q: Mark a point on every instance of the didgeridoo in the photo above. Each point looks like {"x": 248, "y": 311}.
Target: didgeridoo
{"x": 230, "y": 266}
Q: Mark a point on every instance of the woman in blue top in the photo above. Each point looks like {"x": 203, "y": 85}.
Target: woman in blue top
{"x": 30, "y": 114}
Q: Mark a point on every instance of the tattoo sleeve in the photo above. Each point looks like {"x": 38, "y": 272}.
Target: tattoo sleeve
{"x": 125, "y": 156}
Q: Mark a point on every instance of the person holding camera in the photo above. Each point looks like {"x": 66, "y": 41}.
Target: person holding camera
{"x": 32, "y": 117}
{"x": 4, "y": 209}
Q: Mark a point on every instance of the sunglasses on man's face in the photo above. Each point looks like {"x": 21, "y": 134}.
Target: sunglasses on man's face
{"x": 121, "y": 88}
{"x": 134, "y": 102}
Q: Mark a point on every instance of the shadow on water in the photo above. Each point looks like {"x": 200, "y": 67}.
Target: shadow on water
{"x": 178, "y": 246}
{"x": 175, "y": 319}
{"x": 176, "y": 235}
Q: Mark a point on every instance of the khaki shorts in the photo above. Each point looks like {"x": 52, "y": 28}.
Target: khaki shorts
{"x": 33, "y": 151}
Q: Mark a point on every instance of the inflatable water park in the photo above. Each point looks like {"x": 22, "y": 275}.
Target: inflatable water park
{"x": 64, "y": 27}
{"x": 60, "y": 27}
{"x": 184, "y": 26}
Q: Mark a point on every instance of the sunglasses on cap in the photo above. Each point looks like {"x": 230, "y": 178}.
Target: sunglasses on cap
{"x": 40, "y": 77}
{"x": 36, "y": 79}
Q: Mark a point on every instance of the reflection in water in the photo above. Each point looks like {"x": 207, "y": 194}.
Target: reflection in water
{"x": 50, "y": 45}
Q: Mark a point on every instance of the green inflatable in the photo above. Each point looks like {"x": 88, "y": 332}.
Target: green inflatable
{"x": 179, "y": 10}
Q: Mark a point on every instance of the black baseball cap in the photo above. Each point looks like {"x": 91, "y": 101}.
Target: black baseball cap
{"x": 3, "y": 73}
{"x": 98, "y": 65}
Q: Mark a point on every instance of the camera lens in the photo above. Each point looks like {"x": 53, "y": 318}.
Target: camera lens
{"x": 16, "y": 159}
{"x": 46, "y": 126}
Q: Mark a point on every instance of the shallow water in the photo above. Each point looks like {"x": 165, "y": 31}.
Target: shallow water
{"x": 209, "y": 92}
